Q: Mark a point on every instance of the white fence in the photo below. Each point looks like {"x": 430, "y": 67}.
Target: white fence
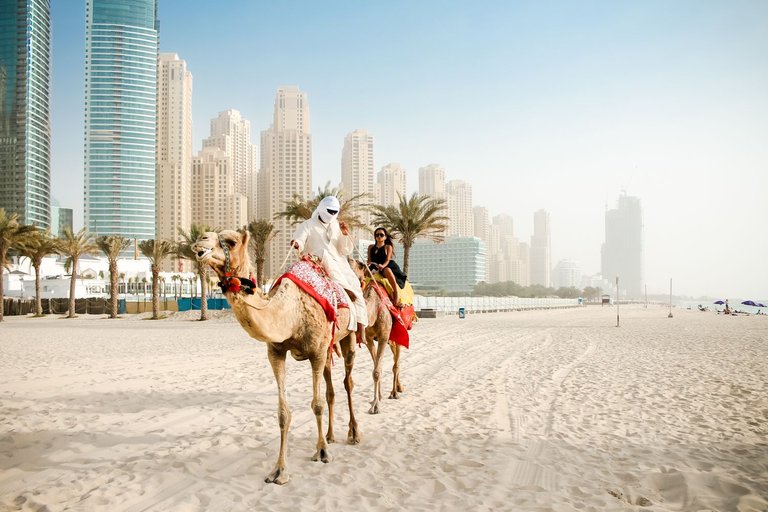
{"x": 488, "y": 304}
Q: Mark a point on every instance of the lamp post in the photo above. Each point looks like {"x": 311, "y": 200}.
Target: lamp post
{"x": 617, "y": 301}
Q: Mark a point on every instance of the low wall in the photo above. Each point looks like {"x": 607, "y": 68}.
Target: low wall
{"x": 433, "y": 307}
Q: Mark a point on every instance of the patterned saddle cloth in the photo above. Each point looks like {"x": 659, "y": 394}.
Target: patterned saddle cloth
{"x": 310, "y": 276}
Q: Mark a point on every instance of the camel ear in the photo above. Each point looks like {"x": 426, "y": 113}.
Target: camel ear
{"x": 245, "y": 237}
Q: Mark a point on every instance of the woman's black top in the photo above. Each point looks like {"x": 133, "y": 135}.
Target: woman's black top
{"x": 379, "y": 255}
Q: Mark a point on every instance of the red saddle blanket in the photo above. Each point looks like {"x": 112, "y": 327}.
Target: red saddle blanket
{"x": 402, "y": 318}
{"x": 312, "y": 278}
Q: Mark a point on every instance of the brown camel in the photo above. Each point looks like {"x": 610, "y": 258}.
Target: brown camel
{"x": 379, "y": 328}
{"x": 287, "y": 320}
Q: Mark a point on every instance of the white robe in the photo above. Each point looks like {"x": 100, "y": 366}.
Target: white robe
{"x": 332, "y": 247}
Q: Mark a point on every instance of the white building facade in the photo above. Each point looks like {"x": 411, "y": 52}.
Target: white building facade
{"x": 285, "y": 168}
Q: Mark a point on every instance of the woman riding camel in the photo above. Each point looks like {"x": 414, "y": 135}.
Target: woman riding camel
{"x": 381, "y": 258}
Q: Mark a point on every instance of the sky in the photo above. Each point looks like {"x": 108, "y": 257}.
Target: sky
{"x": 542, "y": 104}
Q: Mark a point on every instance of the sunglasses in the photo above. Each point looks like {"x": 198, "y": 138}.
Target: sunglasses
{"x": 380, "y": 235}
{"x": 332, "y": 212}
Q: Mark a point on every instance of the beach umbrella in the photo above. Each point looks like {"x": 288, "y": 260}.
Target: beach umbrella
{"x": 749, "y": 303}
{"x": 718, "y": 302}
{"x": 761, "y": 305}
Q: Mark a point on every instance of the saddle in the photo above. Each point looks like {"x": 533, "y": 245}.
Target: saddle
{"x": 309, "y": 275}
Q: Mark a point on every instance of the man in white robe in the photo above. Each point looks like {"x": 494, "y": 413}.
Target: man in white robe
{"x": 327, "y": 238}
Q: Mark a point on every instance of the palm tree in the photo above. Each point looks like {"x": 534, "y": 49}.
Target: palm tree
{"x": 74, "y": 245}
{"x": 156, "y": 251}
{"x": 36, "y": 246}
{"x": 298, "y": 209}
{"x": 190, "y": 237}
{"x": 262, "y": 232}
{"x": 112, "y": 246}
{"x": 11, "y": 234}
{"x": 420, "y": 216}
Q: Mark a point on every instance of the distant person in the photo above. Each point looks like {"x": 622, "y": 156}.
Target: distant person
{"x": 727, "y": 309}
{"x": 381, "y": 255}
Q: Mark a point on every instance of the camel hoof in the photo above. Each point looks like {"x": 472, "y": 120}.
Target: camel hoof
{"x": 353, "y": 437}
{"x": 322, "y": 455}
{"x": 394, "y": 395}
{"x": 374, "y": 409}
{"x": 279, "y": 476}
{"x": 330, "y": 438}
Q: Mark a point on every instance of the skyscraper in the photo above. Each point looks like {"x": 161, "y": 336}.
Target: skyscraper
{"x": 432, "y": 181}
{"x": 459, "y": 201}
{"x": 391, "y": 184}
{"x": 121, "y": 55}
{"x": 174, "y": 147}
{"x": 357, "y": 176}
{"x": 214, "y": 199}
{"x": 285, "y": 168}
{"x": 541, "y": 249}
{"x": 232, "y": 134}
{"x": 25, "y": 139}
{"x": 622, "y": 252}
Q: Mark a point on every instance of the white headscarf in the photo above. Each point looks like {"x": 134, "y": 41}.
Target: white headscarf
{"x": 328, "y": 203}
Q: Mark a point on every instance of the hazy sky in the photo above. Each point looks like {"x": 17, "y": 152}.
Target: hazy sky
{"x": 558, "y": 105}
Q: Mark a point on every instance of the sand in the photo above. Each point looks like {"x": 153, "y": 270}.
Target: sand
{"x": 528, "y": 411}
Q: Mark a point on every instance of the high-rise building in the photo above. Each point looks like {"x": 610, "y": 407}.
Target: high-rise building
{"x": 567, "y": 274}
{"x": 456, "y": 265}
{"x": 214, "y": 200}
{"x": 390, "y": 184}
{"x": 25, "y": 138}
{"x": 174, "y": 147}
{"x": 622, "y": 252}
{"x": 541, "y": 249}
{"x": 232, "y": 134}
{"x": 285, "y": 168}
{"x": 357, "y": 175}
{"x": 460, "y": 218}
{"x": 481, "y": 228}
{"x": 61, "y": 219}
{"x": 432, "y": 181}
{"x": 121, "y": 56}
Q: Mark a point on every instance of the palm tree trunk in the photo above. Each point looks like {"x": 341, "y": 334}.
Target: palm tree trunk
{"x": 2, "y": 291}
{"x": 260, "y": 272}
{"x": 203, "y": 293}
{"x": 155, "y": 292}
{"x": 406, "y": 255}
{"x": 38, "y": 299}
{"x": 113, "y": 289}
{"x": 72, "y": 284}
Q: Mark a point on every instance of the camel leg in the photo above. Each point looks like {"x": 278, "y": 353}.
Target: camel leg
{"x": 330, "y": 398}
{"x": 348, "y": 350}
{"x": 397, "y": 388}
{"x": 318, "y": 362}
{"x": 377, "y": 376}
{"x": 279, "y": 475}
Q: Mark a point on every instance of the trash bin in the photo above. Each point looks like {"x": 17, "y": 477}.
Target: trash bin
{"x": 461, "y": 312}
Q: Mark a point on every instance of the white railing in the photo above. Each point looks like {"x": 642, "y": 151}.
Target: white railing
{"x": 451, "y": 305}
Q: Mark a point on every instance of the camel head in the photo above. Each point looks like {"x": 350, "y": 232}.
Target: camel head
{"x": 358, "y": 267}
{"x": 225, "y": 249}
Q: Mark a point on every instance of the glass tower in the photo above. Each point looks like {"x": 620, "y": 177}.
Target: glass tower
{"x": 121, "y": 52}
{"x": 25, "y": 137}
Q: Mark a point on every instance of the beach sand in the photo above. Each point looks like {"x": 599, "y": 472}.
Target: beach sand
{"x": 528, "y": 411}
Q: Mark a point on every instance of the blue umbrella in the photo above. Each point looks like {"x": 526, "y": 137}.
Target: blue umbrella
{"x": 718, "y": 302}
{"x": 749, "y": 303}
{"x": 761, "y": 305}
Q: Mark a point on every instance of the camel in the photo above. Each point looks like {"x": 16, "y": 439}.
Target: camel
{"x": 288, "y": 320}
{"x": 379, "y": 328}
